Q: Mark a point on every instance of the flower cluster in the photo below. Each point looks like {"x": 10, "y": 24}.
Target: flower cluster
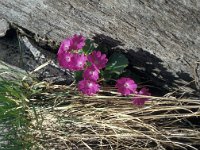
{"x": 89, "y": 83}
{"x": 140, "y": 101}
{"x": 68, "y": 56}
{"x": 71, "y": 56}
{"x": 127, "y": 86}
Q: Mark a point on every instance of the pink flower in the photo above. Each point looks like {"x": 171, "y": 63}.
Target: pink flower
{"x": 88, "y": 87}
{"x": 140, "y": 101}
{"x": 64, "y": 60}
{"x": 78, "y": 61}
{"x": 64, "y": 46}
{"x": 98, "y": 59}
{"x": 73, "y": 43}
{"x": 91, "y": 73}
{"x": 77, "y": 42}
{"x": 125, "y": 86}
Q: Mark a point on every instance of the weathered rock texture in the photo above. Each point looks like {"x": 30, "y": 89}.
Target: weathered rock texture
{"x": 162, "y": 38}
{"x": 23, "y": 53}
{"x": 4, "y": 26}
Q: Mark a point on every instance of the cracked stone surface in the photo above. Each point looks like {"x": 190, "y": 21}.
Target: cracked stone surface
{"x": 23, "y": 53}
{"x": 160, "y": 36}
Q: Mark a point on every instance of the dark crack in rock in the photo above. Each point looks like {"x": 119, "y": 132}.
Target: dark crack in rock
{"x": 22, "y": 52}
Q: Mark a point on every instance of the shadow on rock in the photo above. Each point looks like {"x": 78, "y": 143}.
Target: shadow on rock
{"x": 150, "y": 68}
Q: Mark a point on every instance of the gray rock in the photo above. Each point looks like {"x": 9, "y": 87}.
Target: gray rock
{"x": 4, "y": 26}
{"x": 9, "y": 72}
{"x": 23, "y": 53}
{"x": 160, "y": 36}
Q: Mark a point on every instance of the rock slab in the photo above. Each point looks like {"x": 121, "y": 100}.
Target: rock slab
{"x": 161, "y": 38}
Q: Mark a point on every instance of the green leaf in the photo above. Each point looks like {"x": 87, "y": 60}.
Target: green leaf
{"x": 78, "y": 75}
{"x": 103, "y": 49}
{"x": 89, "y": 47}
{"x": 115, "y": 67}
{"x": 107, "y": 75}
{"x": 117, "y": 63}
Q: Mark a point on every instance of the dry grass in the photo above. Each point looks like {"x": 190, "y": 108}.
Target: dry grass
{"x": 65, "y": 119}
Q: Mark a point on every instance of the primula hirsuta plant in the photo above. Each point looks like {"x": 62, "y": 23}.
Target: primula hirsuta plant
{"x": 79, "y": 54}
